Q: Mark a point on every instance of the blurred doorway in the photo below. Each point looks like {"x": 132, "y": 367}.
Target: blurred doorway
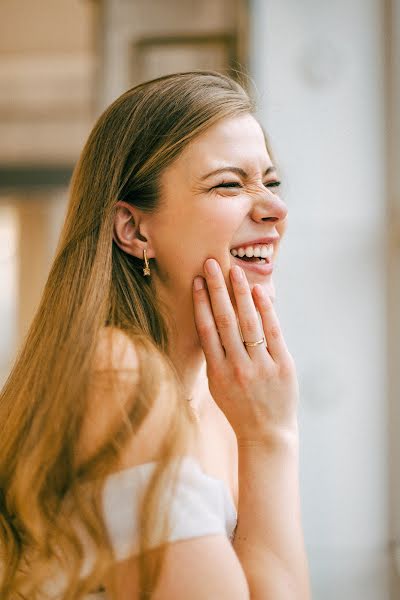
{"x": 47, "y": 86}
{"x": 30, "y": 222}
{"x": 142, "y": 40}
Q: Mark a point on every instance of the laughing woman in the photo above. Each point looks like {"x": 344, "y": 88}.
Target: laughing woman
{"x": 149, "y": 439}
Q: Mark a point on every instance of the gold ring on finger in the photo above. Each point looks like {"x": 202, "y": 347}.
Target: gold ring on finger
{"x": 254, "y": 343}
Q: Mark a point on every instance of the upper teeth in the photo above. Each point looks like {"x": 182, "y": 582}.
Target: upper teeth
{"x": 260, "y": 250}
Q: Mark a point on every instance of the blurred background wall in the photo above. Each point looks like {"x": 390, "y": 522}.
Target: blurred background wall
{"x": 328, "y": 84}
{"x": 48, "y": 58}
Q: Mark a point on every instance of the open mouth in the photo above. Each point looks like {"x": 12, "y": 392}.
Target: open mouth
{"x": 259, "y": 253}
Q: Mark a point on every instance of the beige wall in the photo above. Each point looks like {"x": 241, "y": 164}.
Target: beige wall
{"x": 37, "y": 26}
{"x": 47, "y": 77}
{"x": 47, "y": 87}
{"x": 135, "y": 33}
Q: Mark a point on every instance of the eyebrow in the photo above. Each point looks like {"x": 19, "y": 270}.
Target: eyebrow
{"x": 236, "y": 170}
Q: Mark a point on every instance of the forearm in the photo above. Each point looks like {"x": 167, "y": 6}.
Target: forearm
{"x": 269, "y": 537}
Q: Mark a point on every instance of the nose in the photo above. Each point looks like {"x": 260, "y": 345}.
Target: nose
{"x": 268, "y": 206}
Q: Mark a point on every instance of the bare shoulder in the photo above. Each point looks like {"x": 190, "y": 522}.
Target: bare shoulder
{"x": 113, "y": 392}
{"x": 114, "y": 351}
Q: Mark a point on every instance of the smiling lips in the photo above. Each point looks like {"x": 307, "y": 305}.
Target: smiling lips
{"x": 258, "y": 253}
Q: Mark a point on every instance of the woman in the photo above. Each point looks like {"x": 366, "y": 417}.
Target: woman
{"x": 145, "y": 420}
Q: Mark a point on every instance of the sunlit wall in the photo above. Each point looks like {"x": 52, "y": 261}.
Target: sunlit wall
{"x": 321, "y": 73}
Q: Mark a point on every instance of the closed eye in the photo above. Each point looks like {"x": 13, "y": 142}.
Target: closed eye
{"x": 272, "y": 184}
{"x": 236, "y": 184}
{"x": 229, "y": 184}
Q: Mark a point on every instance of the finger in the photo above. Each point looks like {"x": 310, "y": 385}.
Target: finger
{"x": 276, "y": 344}
{"x": 249, "y": 322}
{"x": 223, "y": 311}
{"x": 205, "y": 324}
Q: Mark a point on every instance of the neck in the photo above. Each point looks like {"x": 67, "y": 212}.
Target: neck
{"x": 185, "y": 350}
{"x": 188, "y": 358}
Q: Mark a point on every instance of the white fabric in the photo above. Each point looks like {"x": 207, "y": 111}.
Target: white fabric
{"x": 201, "y": 505}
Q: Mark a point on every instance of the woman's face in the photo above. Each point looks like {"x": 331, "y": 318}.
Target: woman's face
{"x": 218, "y": 196}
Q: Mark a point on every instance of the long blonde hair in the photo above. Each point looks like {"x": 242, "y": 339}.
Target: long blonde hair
{"x": 92, "y": 284}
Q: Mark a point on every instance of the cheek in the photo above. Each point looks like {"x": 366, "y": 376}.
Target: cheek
{"x": 210, "y": 225}
{"x": 222, "y": 230}
{"x": 224, "y": 220}
{"x": 186, "y": 239}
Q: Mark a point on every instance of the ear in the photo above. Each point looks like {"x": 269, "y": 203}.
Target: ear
{"x": 129, "y": 230}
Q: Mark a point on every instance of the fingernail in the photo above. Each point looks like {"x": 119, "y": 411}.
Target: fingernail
{"x": 198, "y": 283}
{"x": 237, "y": 273}
{"x": 211, "y": 266}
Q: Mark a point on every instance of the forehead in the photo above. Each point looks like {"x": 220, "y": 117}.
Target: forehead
{"x": 237, "y": 141}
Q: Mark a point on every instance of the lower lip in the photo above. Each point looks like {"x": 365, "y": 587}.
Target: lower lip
{"x": 264, "y": 269}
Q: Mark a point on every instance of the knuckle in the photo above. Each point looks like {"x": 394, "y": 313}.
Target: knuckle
{"x": 266, "y": 302}
{"x": 264, "y": 365}
{"x": 287, "y": 366}
{"x": 240, "y": 375}
{"x": 265, "y": 373}
{"x": 224, "y": 321}
{"x": 204, "y": 330}
{"x": 214, "y": 372}
{"x": 290, "y": 358}
{"x": 216, "y": 284}
{"x": 275, "y": 332}
{"x": 266, "y": 306}
{"x": 250, "y": 325}
{"x": 242, "y": 289}
{"x": 201, "y": 297}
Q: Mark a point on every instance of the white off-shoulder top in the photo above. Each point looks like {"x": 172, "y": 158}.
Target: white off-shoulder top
{"x": 202, "y": 505}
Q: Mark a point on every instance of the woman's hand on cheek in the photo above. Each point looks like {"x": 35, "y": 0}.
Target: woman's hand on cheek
{"x": 224, "y": 266}
{"x": 255, "y": 386}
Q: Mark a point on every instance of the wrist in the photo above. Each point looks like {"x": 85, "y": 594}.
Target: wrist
{"x": 270, "y": 439}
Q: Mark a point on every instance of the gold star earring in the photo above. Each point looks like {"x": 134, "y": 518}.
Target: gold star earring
{"x": 146, "y": 270}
